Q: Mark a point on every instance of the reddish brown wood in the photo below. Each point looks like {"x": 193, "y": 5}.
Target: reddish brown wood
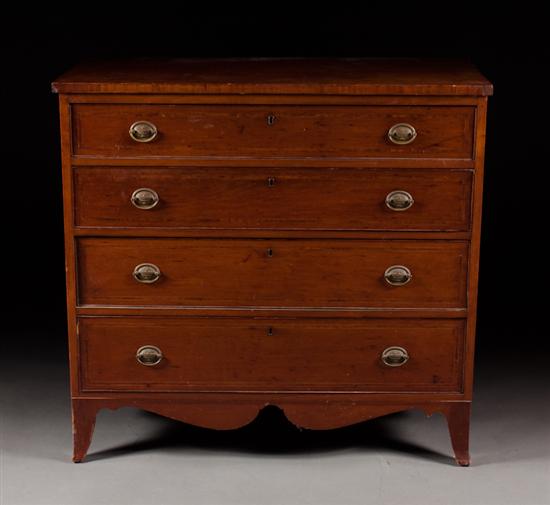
{"x": 272, "y": 273}
{"x": 205, "y": 100}
{"x": 363, "y": 163}
{"x": 84, "y": 416}
{"x": 281, "y": 354}
{"x": 458, "y": 419}
{"x": 318, "y": 313}
{"x": 312, "y": 411}
{"x": 373, "y": 398}
{"x": 70, "y": 264}
{"x": 400, "y": 76}
{"x": 321, "y": 291}
{"x": 237, "y": 131}
{"x": 473, "y": 262}
{"x": 273, "y": 198}
{"x": 144, "y": 232}
{"x": 265, "y": 99}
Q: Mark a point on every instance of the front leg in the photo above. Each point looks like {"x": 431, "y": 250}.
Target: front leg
{"x": 458, "y": 419}
{"x": 84, "y": 415}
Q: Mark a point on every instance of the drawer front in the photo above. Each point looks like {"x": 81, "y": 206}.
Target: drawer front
{"x": 270, "y": 355}
{"x": 271, "y": 273}
{"x": 251, "y": 131}
{"x": 262, "y": 198}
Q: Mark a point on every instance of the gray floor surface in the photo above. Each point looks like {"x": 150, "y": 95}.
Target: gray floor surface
{"x": 139, "y": 458}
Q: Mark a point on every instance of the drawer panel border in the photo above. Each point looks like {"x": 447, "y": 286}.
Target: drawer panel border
{"x": 416, "y": 159}
{"x": 457, "y": 328}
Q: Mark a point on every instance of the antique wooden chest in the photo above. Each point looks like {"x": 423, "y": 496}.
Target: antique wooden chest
{"x": 297, "y": 233}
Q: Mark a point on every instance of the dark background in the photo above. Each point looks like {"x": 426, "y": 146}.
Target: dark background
{"x": 509, "y": 50}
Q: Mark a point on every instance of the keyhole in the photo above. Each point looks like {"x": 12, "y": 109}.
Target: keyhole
{"x": 270, "y": 332}
{"x": 271, "y": 118}
{"x": 271, "y": 181}
{"x": 269, "y": 252}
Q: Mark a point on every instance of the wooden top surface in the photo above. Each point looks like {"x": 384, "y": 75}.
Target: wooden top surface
{"x": 375, "y": 76}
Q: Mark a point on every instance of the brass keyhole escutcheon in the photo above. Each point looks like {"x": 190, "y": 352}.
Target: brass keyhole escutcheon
{"x": 271, "y": 182}
{"x": 271, "y": 118}
{"x": 269, "y": 252}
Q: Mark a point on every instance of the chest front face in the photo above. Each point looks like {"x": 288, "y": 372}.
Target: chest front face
{"x": 313, "y": 248}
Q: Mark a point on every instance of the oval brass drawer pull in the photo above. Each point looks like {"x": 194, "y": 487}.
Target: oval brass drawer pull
{"x": 395, "y": 356}
{"x": 143, "y": 131}
{"x": 146, "y": 273}
{"x": 397, "y": 275}
{"x": 149, "y": 355}
{"x": 399, "y": 200}
{"x": 144, "y": 198}
{"x": 402, "y": 133}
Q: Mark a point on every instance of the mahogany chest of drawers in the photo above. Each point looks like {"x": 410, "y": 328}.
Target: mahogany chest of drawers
{"x": 297, "y": 233}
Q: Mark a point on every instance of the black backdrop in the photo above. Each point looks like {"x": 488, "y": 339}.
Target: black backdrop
{"x": 508, "y": 49}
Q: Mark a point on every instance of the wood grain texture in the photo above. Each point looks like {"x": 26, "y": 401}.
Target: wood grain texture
{"x": 262, "y": 99}
{"x": 363, "y": 76}
{"x": 475, "y": 244}
{"x": 273, "y": 199}
{"x": 362, "y": 163}
{"x": 280, "y": 354}
{"x": 70, "y": 254}
{"x": 458, "y": 419}
{"x": 301, "y": 327}
{"x": 83, "y": 418}
{"x": 271, "y": 312}
{"x": 313, "y": 411}
{"x": 243, "y": 131}
{"x": 296, "y": 273}
{"x": 144, "y": 232}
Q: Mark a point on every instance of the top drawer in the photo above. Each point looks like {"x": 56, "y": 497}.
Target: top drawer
{"x": 276, "y": 132}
